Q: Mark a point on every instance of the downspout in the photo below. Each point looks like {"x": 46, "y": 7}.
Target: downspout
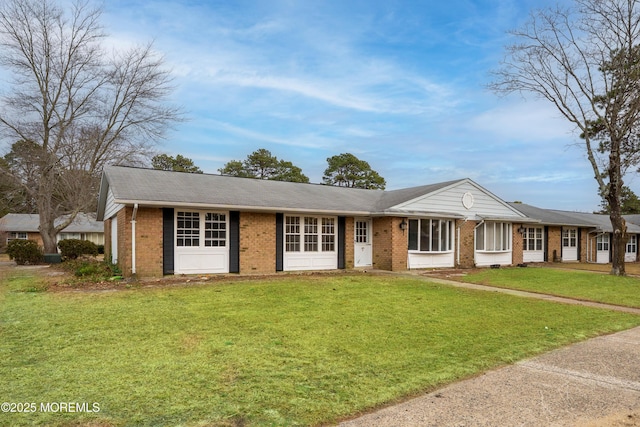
{"x": 475, "y": 244}
{"x": 458, "y": 246}
{"x": 133, "y": 239}
{"x": 592, "y": 248}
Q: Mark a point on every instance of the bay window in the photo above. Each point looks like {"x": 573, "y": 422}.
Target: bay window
{"x": 493, "y": 236}
{"x": 430, "y": 235}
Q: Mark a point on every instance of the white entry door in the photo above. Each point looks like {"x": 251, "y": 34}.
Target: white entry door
{"x": 569, "y": 244}
{"x": 363, "y": 251}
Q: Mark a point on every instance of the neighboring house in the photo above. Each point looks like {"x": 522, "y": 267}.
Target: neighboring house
{"x": 162, "y": 222}
{"x": 572, "y": 236}
{"x": 25, "y": 226}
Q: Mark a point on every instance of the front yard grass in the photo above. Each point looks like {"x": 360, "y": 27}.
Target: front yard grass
{"x": 293, "y": 350}
{"x": 589, "y": 286}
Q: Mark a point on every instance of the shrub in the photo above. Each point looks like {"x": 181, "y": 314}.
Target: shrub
{"x": 101, "y": 249}
{"x": 73, "y": 248}
{"x": 24, "y": 252}
{"x": 92, "y": 269}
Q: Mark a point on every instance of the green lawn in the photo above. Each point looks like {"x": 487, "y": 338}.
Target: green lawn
{"x": 589, "y": 286}
{"x": 295, "y": 350}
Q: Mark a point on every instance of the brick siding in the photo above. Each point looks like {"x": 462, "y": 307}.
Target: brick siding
{"x": 517, "y": 245}
{"x": 389, "y": 244}
{"x": 466, "y": 230}
{"x": 36, "y": 237}
{"x": 257, "y": 242}
{"x": 148, "y": 241}
{"x": 584, "y": 237}
{"x": 554, "y": 239}
{"x": 349, "y": 239}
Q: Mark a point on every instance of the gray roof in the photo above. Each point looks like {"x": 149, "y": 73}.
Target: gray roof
{"x": 599, "y": 222}
{"x": 148, "y": 186}
{"x": 29, "y": 223}
{"x": 634, "y": 219}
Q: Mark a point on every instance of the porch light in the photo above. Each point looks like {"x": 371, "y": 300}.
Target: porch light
{"x": 522, "y": 229}
{"x": 403, "y": 225}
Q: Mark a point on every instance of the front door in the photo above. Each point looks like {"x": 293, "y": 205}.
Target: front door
{"x": 363, "y": 250}
{"x": 569, "y": 244}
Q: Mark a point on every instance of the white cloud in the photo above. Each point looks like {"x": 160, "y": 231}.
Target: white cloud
{"x": 531, "y": 121}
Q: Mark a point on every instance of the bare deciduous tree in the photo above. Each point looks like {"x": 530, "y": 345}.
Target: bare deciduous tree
{"x": 585, "y": 61}
{"x": 77, "y": 107}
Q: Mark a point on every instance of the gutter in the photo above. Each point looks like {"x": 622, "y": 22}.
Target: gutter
{"x": 590, "y": 252}
{"x": 266, "y": 209}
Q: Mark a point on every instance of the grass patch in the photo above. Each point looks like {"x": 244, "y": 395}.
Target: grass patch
{"x": 24, "y": 281}
{"x": 287, "y": 351}
{"x": 605, "y": 288}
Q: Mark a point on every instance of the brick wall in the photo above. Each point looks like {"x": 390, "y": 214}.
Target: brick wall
{"x": 554, "y": 239}
{"x": 257, "y": 242}
{"x": 584, "y": 234}
{"x": 517, "y": 245}
{"x": 349, "y": 237}
{"x": 148, "y": 241}
{"x": 466, "y": 230}
{"x": 36, "y": 237}
{"x": 389, "y": 244}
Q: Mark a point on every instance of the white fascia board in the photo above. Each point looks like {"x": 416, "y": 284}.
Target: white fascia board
{"x": 266, "y": 209}
{"x": 523, "y": 220}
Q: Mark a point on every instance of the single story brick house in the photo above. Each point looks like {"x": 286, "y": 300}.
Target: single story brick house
{"x": 163, "y": 222}
{"x": 572, "y": 236}
{"x": 26, "y": 227}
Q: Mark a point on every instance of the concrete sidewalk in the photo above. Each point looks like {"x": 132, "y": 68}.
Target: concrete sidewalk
{"x": 593, "y": 383}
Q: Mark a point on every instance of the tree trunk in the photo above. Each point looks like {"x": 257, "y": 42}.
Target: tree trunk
{"x": 618, "y": 244}
{"x": 619, "y": 236}
{"x": 49, "y": 237}
{"x": 47, "y": 211}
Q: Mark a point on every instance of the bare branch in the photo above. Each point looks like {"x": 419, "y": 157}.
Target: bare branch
{"x": 81, "y": 108}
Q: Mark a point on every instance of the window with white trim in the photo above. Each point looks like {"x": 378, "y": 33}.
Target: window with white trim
{"x": 310, "y": 234}
{"x": 16, "y": 235}
{"x": 493, "y": 236}
{"x": 215, "y": 229}
{"x": 362, "y": 232}
{"x": 569, "y": 237}
{"x": 602, "y": 242}
{"x": 66, "y": 236}
{"x": 328, "y": 234}
{"x": 188, "y": 229}
{"x": 292, "y": 234}
{"x": 532, "y": 239}
{"x": 191, "y": 227}
{"x": 632, "y": 244}
{"x": 430, "y": 235}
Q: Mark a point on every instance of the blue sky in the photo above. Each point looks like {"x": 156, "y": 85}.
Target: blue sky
{"x": 400, "y": 84}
